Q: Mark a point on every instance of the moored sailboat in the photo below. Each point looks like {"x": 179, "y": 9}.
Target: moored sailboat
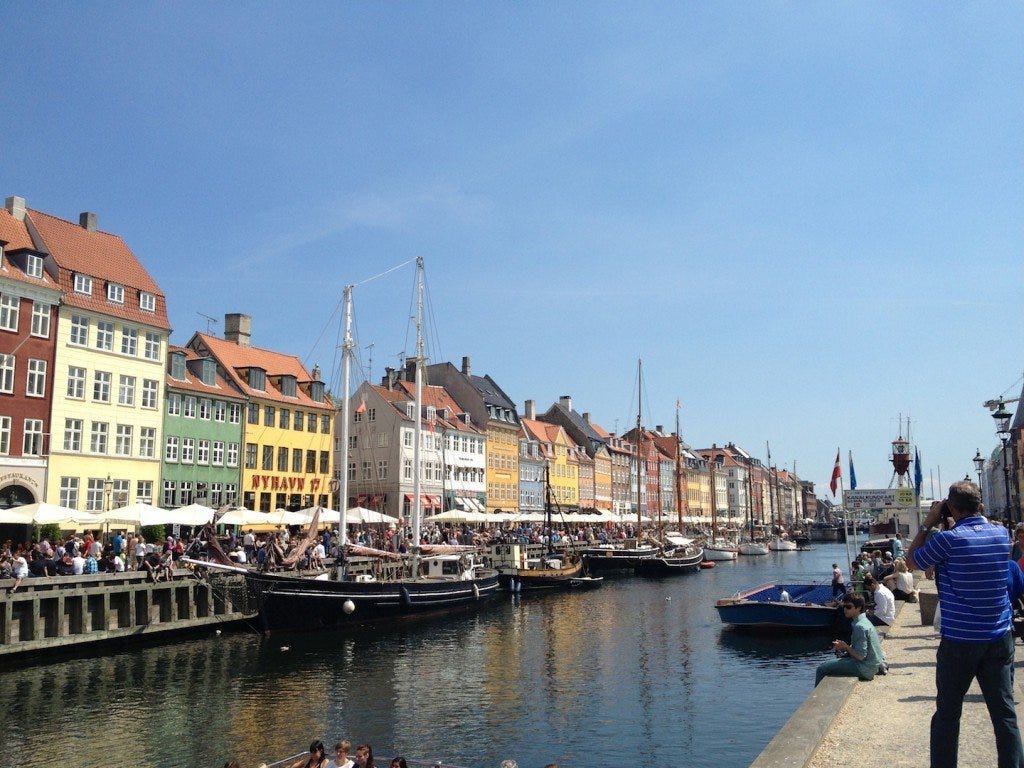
{"x": 431, "y": 580}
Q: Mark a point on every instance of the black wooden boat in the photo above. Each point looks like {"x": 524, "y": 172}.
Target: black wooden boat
{"x": 672, "y": 562}
{"x": 604, "y": 558}
{"x": 448, "y": 583}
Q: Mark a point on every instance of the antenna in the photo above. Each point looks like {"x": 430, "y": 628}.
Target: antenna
{"x": 210, "y": 321}
{"x": 369, "y": 364}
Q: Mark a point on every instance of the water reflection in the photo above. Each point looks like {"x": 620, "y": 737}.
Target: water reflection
{"x": 638, "y": 667}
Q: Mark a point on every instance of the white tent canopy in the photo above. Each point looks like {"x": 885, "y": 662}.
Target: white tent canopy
{"x": 364, "y": 516}
{"x": 44, "y": 514}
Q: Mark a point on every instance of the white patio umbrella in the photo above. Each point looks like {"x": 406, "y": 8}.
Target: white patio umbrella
{"x": 146, "y": 514}
{"x": 367, "y": 516}
{"x": 326, "y": 515}
{"x": 42, "y": 513}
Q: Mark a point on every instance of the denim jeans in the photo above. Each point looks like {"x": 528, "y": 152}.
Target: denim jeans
{"x": 957, "y": 664}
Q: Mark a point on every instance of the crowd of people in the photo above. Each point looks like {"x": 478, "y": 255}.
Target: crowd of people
{"x": 343, "y": 757}
{"x": 87, "y": 553}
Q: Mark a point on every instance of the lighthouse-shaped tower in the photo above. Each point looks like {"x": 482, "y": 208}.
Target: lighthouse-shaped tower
{"x": 900, "y": 462}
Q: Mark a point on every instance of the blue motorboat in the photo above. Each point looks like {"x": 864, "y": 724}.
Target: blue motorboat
{"x": 781, "y": 606}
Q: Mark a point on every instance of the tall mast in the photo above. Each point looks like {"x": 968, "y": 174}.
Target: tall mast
{"x": 771, "y": 494}
{"x": 679, "y": 452}
{"x": 639, "y": 448}
{"x": 417, "y": 428}
{"x": 346, "y": 364}
{"x": 547, "y": 503}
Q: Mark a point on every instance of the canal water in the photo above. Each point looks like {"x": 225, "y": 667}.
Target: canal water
{"x": 640, "y": 671}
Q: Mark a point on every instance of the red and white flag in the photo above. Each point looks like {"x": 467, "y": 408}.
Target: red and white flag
{"x": 837, "y": 472}
{"x": 362, "y": 407}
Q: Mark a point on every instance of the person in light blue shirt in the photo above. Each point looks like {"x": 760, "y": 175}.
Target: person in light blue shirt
{"x": 862, "y": 657}
{"x": 976, "y": 637}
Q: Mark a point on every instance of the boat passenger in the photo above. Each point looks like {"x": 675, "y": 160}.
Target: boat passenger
{"x": 838, "y": 585}
{"x": 398, "y": 762}
{"x": 341, "y": 758}
{"x": 316, "y": 758}
{"x": 364, "y": 756}
{"x": 862, "y": 657}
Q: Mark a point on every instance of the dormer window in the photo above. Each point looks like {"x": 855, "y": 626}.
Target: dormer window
{"x": 410, "y": 409}
{"x": 288, "y": 386}
{"x": 83, "y": 284}
{"x": 431, "y": 413}
{"x": 178, "y": 366}
{"x": 208, "y": 372}
{"x": 258, "y": 379}
{"x": 147, "y": 302}
{"x": 316, "y": 391}
{"x": 115, "y": 293}
{"x": 34, "y": 266}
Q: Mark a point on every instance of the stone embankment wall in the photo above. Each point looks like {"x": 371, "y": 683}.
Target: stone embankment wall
{"x": 64, "y": 611}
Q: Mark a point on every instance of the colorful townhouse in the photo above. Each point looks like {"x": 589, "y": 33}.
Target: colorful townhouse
{"x": 698, "y": 484}
{"x": 563, "y": 474}
{"x": 492, "y": 410}
{"x": 380, "y": 459}
{"x": 29, "y": 302}
{"x": 288, "y": 423}
{"x": 202, "y": 433}
{"x": 594, "y": 442}
{"x": 532, "y": 486}
{"x": 106, "y": 417}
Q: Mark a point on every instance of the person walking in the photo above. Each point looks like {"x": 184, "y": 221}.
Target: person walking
{"x": 976, "y": 638}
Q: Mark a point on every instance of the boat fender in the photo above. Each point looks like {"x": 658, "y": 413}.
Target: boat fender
{"x": 512, "y": 585}
{"x": 406, "y": 599}
{"x": 348, "y": 606}
{"x": 476, "y": 592}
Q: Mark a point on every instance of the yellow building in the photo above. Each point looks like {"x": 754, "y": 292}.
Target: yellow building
{"x": 289, "y": 422}
{"x": 698, "y": 485}
{"x": 563, "y": 469}
{"x": 112, "y": 331}
{"x": 602, "y": 479}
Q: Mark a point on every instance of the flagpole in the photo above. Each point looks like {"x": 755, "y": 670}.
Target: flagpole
{"x": 846, "y": 515}
{"x": 842, "y": 493}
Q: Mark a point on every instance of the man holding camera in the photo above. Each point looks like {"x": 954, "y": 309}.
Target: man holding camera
{"x": 970, "y": 560}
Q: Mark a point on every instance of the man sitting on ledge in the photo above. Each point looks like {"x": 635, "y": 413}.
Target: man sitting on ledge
{"x": 862, "y": 656}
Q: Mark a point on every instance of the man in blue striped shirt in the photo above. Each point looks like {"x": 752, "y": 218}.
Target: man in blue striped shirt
{"x": 970, "y": 569}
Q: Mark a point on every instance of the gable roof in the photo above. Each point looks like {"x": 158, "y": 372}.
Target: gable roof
{"x": 235, "y": 358}
{"x": 14, "y": 233}
{"x": 438, "y": 398}
{"x": 587, "y": 429}
{"x": 103, "y": 256}
{"x": 222, "y": 387}
{"x": 18, "y": 239}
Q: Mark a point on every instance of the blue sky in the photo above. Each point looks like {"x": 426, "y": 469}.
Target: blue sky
{"x": 806, "y": 218}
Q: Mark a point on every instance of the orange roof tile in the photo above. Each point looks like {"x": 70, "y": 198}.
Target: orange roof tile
{"x": 103, "y": 256}
{"x": 221, "y": 388}
{"x": 14, "y": 232}
{"x": 234, "y": 358}
{"x": 440, "y": 399}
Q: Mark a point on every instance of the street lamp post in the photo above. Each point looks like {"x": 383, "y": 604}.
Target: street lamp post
{"x": 108, "y": 488}
{"x": 1002, "y": 417}
{"x": 979, "y": 465}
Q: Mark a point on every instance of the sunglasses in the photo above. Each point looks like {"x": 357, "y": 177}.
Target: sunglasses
{"x": 845, "y": 607}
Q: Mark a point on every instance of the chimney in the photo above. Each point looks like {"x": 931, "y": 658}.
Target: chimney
{"x": 660, "y": 429}
{"x": 390, "y": 376}
{"x": 238, "y": 329}
{"x": 16, "y": 207}
{"x": 566, "y": 402}
{"x": 586, "y": 417}
{"x": 466, "y": 371}
{"x": 87, "y": 221}
{"x": 531, "y": 412}
{"x": 410, "y": 369}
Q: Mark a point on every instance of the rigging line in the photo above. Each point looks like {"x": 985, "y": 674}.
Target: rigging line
{"x": 327, "y": 323}
{"x": 385, "y": 272}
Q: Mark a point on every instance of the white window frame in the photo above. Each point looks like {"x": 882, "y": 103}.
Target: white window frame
{"x": 129, "y": 341}
{"x": 205, "y": 407}
{"x": 5, "y": 435}
{"x": 115, "y": 293}
{"x": 10, "y": 307}
{"x": 73, "y": 435}
{"x": 203, "y": 452}
{"x": 147, "y": 442}
{"x": 40, "y": 319}
{"x": 126, "y": 390}
{"x": 151, "y": 346}
{"x": 35, "y": 378}
{"x": 8, "y": 368}
{"x": 99, "y": 432}
{"x": 150, "y": 393}
{"x": 123, "y": 440}
{"x": 68, "y": 494}
{"x": 105, "y": 336}
{"x": 188, "y": 450}
{"x": 76, "y": 382}
{"x": 79, "y": 335}
{"x": 188, "y": 407}
{"x": 83, "y": 284}
{"x": 147, "y": 301}
{"x": 217, "y": 453}
{"x": 232, "y": 455}
{"x": 171, "y": 448}
{"x": 144, "y": 492}
{"x": 34, "y": 266}
{"x": 101, "y": 386}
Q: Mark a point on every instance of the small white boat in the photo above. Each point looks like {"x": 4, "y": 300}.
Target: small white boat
{"x": 779, "y": 544}
{"x": 720, "y": 550}
{"x": 753, "y": 548}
